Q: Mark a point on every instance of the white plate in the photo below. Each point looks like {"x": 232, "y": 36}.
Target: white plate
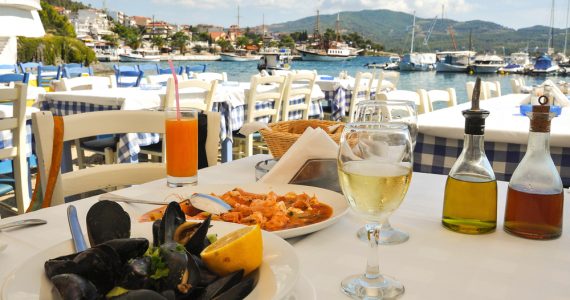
{"x": 334, "y": 199}
{"x": 278, "y": 273}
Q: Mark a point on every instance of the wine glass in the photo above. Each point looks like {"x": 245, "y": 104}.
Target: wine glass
{"x": 375, "y": 169}
{"x": 388, "y": 111}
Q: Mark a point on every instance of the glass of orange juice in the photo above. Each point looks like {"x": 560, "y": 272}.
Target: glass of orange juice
{"x": 181, "y": 147}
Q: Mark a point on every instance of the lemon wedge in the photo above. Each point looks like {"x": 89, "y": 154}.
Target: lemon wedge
{"x": 240, "y": 249}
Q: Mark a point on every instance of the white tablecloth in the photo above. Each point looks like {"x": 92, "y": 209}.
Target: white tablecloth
{"x": 434, "y": 264}
{"x": 504, "y": 124}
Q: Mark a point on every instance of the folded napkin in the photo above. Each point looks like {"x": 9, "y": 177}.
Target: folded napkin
{"x": 559, "y": 98}
{"x": 313, "y": 143}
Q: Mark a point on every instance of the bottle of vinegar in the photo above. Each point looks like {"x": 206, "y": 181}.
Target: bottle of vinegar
{"x": 535, "y": 197}
{"x": 470, "y": 201}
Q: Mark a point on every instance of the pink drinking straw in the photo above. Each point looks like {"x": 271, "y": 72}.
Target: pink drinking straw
{"x": 178, "y": 116}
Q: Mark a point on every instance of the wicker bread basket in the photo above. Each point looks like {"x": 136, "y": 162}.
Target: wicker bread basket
{"x": 284, "y": 134}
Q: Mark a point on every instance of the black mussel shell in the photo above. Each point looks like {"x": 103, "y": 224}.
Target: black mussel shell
{"x": 128, "y": 248}
{"x": 136, "y": 274}
{"x": 176, "y": 260}
{"x": 173, "y": 217}
{"x": 60, "y": 265}
{"x": 198, "y": 241}
{"x": 194, "y": 274}
{"x": 141, "y": 295}
{"x": 106, "y": 220}
{"x": 221, "y": 285}
{"x": 100, "y": 265}
{"x": 206, "y": 276}
{"x": 75, "y": 287}
{"x": 156, "y": 238}
{"x": 238, "y": 291}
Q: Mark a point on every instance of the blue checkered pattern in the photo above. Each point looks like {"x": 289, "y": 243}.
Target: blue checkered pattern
{"x": 437, "y": 155}
{"x": 339, "y": 101}
{"x": 129, "y": 144}
{"x": 6, "y": 140}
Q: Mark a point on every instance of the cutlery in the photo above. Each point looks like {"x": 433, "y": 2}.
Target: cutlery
{"x": 118, "y": 198}
{"x": 76, "y": 233}
{"x": 21, "y": 223}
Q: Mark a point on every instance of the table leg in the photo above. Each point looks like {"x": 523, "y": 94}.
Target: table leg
{"x": 227, "y": 150}
{"x": 66, "y": 161}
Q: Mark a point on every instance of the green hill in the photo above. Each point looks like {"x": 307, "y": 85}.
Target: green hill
{"x": 393, "y": 30}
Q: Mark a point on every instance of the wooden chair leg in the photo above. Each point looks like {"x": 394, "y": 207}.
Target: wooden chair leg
{"x": 249, "y": 145}
{"x": 109, "y": 156}
{"x": 21, "y": 182}
{"x": 80, "y": 154}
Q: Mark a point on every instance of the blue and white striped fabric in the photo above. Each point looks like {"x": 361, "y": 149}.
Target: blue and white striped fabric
{"x": 339, "y": 101}
{"x": 129, "y": 144}
{"x": 437, "y": 155}
{"x": 6, "y": 139}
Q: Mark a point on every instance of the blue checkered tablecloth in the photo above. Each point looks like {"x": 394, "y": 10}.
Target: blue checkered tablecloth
{"x": 129, "y": 144}
{"x": 6, "y": 139}
{"x": 437, "y": 155}
{"x": 338, "y": 102}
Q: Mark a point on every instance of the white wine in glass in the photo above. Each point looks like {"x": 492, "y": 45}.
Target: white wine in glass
{"x": 375, "y": 170}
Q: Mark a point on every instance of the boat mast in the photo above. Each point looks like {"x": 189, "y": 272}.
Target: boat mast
{"x": 413, "y": 33}
{"x": 338, "y": 27}
{"x": 551, "y": 37}
{"x": 316, "y": 33}
{"x": 566, "y": 33}
{"x": 238, "y": 16}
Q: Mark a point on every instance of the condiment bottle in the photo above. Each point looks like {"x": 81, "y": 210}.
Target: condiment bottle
{"x": 535, "y": 196}
{"x": 470, "y": 201}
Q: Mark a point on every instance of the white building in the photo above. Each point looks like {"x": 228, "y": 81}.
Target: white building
{"x": 90, "y": 22}
{"x": 17, "y": 18}
{"x": 119, "y": 17}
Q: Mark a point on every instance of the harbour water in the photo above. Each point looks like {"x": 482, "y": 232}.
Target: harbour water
{"x": 242, "y": 71}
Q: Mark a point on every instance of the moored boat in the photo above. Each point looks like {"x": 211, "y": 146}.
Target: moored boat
{"x": 454, "y": 61}
{"x": 336, "y": 54}
{"x": 239, "y": 55}
{"x": 418, "y": 62}
{"x": 544, "y": 65}
{"x": 487, "y": 64}
{"x": 518, "y": 63}
{"x": 140, "y": 55}
{"x": 274, "y": 59}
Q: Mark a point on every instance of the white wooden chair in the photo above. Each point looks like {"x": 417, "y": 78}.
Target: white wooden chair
{"x": 362, "y": 83}
{"x": 162, "y": 79}
{"x": 421, "y": 107}
{"x": 297, "y": 85}
{"x": 188, "y": 90}
{"x": 17, "y": 125}
{"x": 91, "y": 124}
{"x": 447, "y": 97}
{"x": 489, "y": 89}
{"x": 262, "y": 88}
{"x": 209, "y": 76}
{"x": 387, "y": 81}
{"x": 84, "y": 83}
{"x": 516, "y": 85}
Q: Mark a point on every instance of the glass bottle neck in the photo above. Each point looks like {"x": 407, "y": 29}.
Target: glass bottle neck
{"x": 539, "y": 142}
{"x": 473, "y": 145}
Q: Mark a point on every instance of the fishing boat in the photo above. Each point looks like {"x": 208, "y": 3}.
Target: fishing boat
{"x": 393, "y": 63}
{"x": 454, "y": 61}
{"x": 239, "y": 55}
{"x": 417, "y": 61}
{"x": 140, "y": 55}
{"x": 517, "y": 63}
{"x": 544, "y": 65}
{"x": 274, "y": 59}
{"x": 487, "y": 64}
{"x": 335, "y": 51}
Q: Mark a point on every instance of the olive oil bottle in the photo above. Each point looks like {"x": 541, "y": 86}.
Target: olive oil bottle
{"x": 470, "y": 200}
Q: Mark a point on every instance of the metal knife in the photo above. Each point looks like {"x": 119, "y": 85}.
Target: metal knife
{"x": 76, "y": 233}
{"x": 476, "y": 94}
{"x": 28, "y": 222}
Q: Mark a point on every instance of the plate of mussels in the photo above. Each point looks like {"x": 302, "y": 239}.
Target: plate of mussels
{"x": 132, "y": 260}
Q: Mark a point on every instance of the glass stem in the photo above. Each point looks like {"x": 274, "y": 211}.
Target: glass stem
{"x": 372, "y": 266}
{"x": 386, "y": 226}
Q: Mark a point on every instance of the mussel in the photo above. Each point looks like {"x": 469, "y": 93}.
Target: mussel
{"x": 106, "y": 220}
{"x": 75, "y": 287}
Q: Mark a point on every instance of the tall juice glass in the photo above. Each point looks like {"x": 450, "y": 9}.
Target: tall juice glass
{"x": 181, "y": 147}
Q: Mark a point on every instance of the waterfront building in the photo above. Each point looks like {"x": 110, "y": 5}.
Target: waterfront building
{"x": 92, "y": 23}
{"x": 158, "y": 29}
{"x": 119, "y": 17}
{"x": 140, "y": 21}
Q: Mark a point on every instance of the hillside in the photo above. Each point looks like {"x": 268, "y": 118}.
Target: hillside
{"x": 393, "y": 29}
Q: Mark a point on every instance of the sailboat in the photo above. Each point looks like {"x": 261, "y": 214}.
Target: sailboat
{"x": 544, "y": 63}
{"x": 337, "y": 50}
{"x": 417, "y": 61}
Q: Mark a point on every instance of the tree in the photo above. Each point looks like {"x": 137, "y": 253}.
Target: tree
{"x": 242, "y": 41}
{"x": 287, "y": 41}
{"x": 225, "y": 45}
{"x": 112, "y": 39}
{"x": 180, "y": 40}
{"x": 55, "y": 23}
{"x": 198, "y": 48}
{"x": 158, "y": 41}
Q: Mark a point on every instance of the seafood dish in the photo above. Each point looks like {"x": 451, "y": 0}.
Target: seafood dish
{"x": 168, "y": 267}
{"x": 271, "y": 211}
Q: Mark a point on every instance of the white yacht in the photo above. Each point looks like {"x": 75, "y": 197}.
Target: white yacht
{"x": 517, "y": 63}
{"x": 454, "y": 61}
{"x": 418, "y": 62}
{"x": 239, "y": 55}
{"x": 487, "y": 64}
{"x": 140, "y": 55}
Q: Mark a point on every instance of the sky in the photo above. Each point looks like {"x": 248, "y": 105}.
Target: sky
{"x": 511, "y": 13}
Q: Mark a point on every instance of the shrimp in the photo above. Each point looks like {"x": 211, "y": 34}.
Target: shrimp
{"x": 278, "y": 221}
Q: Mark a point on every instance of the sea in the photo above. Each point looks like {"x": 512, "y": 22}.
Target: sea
{"x": 242, "y": 71}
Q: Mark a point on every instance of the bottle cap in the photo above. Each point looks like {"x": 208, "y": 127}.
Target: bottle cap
{"x": 540, "y": 116}
{"x": 475, "y": 121}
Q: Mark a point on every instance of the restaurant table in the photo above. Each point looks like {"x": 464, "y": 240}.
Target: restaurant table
{"x": 338, "y": 94}
{"x": 440, "y": 138}
{"x": 434, "y": 264}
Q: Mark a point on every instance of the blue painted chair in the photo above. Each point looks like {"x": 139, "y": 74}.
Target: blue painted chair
{"x": 195, "y": 68}
{"x": 8, "y": 78}
{"x": 119, "y": 68}
{"x": 129, "y": 78}
{"x": 48, "y": 73}
{"x": 73, "y": 65}
{"x": 149, "y": 69}
{"x": 71, "y": 72}
{"x": 30, "y": 67}
{"x": 8, "y": 69}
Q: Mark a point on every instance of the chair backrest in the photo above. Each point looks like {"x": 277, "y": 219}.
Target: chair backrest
{"x": 8, "y": 69}
{"x": 84, "y": 83}
{"x": 492, "y": 89}
{"x": 129, "y": 78}
{"x": 48, "y": 73}
{"x": 362, "y": 84}
{"x": 195, "y": 68}
{"x": 448, "y": 97}
{"x": 122, "y": 68}
{"x": 515, "y": 85}
{"x": 421, "y": 107}
{"x": 92, "y": 124}
{"x": 297, "y": 85}
{"x": 209, "y": 76}
{"x": 193, "y": 93}
{"x": 17, "y": 125}
{"x": 149, "y": 68}
{"x": 70, "y": 72}
{"x": 265, "y": 88}
{"x": 387, "y": 81}
{"x": 483, "y": 94}
{"x": 11, "y": 77}
{"x": 30, "y": 67}
{"x": 162, "y": 79}
{"x": 73, "y": 65}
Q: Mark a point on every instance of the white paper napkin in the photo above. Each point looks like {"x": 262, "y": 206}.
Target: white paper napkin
{"x": 313, "y": 143}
